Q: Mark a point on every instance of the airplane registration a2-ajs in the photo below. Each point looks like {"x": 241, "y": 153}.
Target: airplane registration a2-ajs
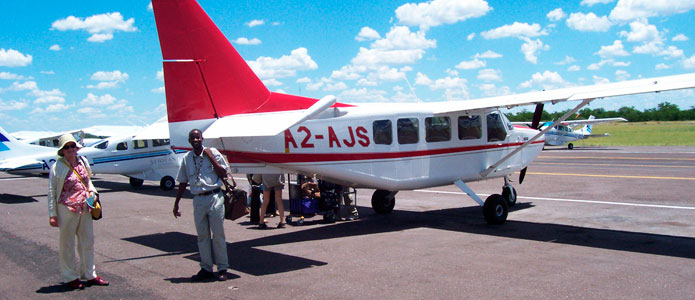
{"x": 387, "y": 147}
{"x": 138, "y": 159}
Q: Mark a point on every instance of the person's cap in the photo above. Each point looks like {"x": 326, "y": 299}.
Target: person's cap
{"x": 64, "y": 139}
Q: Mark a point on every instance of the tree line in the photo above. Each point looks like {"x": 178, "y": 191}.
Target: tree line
{"x": 665, "y": 111}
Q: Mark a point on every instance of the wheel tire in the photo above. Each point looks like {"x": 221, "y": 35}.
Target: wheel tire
{"x": 510, "y": 195}
{"x": 135, "y": 182}
{"x": 329, "y": 217}
{"x": 382, "y": 203}
{"x": 495, "y": 209}
{"x": 570, "y": 146}
{"x": 288, "y": 219}
{"x": 167, "y": 183}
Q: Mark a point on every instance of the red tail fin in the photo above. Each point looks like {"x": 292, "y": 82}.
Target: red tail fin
{"x": 204, "y": 75}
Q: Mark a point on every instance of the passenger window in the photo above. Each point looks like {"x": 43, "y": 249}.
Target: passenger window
{"x": 382, "y": 132}
{"x": 102, "y": 145}
{"x": 470, "y": 128}
{"x": 495, "y": 128}
{"x": 408, "y": 130}
{"x": 122, "y": 146}
{"x": 139, "y": 144}
{"x": 160, "y": 142}
{"x": 437, "y": 129}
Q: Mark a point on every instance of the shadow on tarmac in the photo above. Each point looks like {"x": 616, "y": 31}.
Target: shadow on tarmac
{"x": 16, "y": 199}
{"x": 247, "y": 258}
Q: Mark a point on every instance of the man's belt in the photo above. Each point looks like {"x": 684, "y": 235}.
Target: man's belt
{"x": 215, "y": 191}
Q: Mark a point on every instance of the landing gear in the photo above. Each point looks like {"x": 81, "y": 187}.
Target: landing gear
{"x": 167, "y": 183}
{"x": 135, "y": 182}
{"x": 383, "y": 201}
{"x": 495, "y": 209}
{"x": 509, "y": 192}
{"x": 570, "y": 146}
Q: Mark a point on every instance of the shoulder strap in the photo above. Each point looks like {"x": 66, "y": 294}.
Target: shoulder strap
{"x": 74, "y": 171}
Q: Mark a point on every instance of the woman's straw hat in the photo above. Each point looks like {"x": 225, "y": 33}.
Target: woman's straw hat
{"x": 64, "y": 139}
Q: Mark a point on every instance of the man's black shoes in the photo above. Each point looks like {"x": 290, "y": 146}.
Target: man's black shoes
{"x": 203, "y": 275}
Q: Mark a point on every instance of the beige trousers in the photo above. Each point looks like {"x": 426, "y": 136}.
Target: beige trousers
{"x": 73, "y": 225}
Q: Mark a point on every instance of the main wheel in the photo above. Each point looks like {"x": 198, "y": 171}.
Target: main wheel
{"x": 135, "y": 182}
{"x": 509, "y": 194}
{"x": 495, "y": 209}
{"x": 570, "y": 146}
{"x": 383, "y": 201}
{"x": 167, "y": 183}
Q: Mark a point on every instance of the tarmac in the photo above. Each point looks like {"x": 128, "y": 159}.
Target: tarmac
{"x": 589, "y": 223}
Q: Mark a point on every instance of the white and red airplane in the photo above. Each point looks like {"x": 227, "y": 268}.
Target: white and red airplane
{"x": 387, "y": 147}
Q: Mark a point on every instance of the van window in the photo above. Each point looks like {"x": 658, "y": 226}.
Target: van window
{"x": 437, "y": 129}
{"x": 470, "y": 128}
{"x": 408, "y": 130}
{"x": 122, "y": 146}
{"x": 160, "y": 142}
{"x": 139, "y": 144}
{"x": 495, "y": 128}
{"x": 382, "y": 132}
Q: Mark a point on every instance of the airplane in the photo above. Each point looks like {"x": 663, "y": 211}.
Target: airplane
{"x": 138, "y": 159}
{"x": 384, "y": 146}
{"x": 565, "y": 132}
{"x": 86, "y": 136}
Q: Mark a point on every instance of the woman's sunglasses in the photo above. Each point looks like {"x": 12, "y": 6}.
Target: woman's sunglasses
{"x": 69, "y": 146}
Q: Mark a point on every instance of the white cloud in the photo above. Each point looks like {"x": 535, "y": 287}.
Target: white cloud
{"x": 490, "y": 75}
{"x": 490, "y": 90}
{"x": 94, "y": 100}
{"x": 285, "y": 66}
{"x": 55, "y": 47}
{"x": 11, "y": 76}
{"x": 254, "y": 23}
{"x": 530, "y": 47}
{"x": 56, "y": 107}
{"x": 621, "y": 75}
{"x": 642, "y": 31}
{"x": 160, "y": 75}
{"x": 592, "y": 2}
{"x": 470, "y": 36}
{"x": 455, "y": 88}
{"x": 13, "y": 58}
{"x": 588, "y": 22}
{"x": 27, "y": 85}
{"x": 50, "y": 72}
{"x": 89, "y": 110}
{"x": 272, "y": 82}
{"x": 400, "y": 46}
{"x": 568, "y": 60}
{"x": 362, "y": 95}
{"x": 680, "y": 38}
{"x": 159, "y": 90}
{"x": 108, "y": 79}
{"x": 471, "y": 64}
{"x": 350, "y": 72}
{"x": 556, "y": 15}
{"x": 303, "y": 80}
{"x": 488, "y": 54}
{"x": 514, "y": 30}
{"x": 13, "y": 105}
{"x": 49, "y": 99}
{"x": 627, "y": 10}
{"x": 547, "y": 80}
{"x": 689, "y": 63}
{"x": 600, "y": 80}
{"x": 400, "y": 37}
{"x": 662, "y": 66}
{"x": 367, "y": 34}
{"x": 101, "y": 27}
{"x": 437, "y": 12}
{"x": 574, "y": 68}
{"x": 245, "y": 41}
{"x": 616, "y": 49}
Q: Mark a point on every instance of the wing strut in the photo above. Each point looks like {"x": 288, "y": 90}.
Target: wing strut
{"x": 535, "y": 137}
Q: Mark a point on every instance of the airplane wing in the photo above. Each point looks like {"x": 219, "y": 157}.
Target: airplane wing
{"x": 594, "y": 121}
{"x": 157, "y": 131}
{"x": 572, "y": 94}
{"x": 19, "y": 163}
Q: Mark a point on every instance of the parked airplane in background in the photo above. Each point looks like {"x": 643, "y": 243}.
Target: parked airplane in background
{"x": 86, "y": 136}
{"x": 387, "y": 147}
{"x": 567, "y": 132}
{"x": 140, "y": 160}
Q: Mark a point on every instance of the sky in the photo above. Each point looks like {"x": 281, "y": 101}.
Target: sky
{"x": 68, "y": 65}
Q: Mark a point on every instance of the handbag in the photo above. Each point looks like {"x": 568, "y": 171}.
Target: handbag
{"x": 234, "y": 201}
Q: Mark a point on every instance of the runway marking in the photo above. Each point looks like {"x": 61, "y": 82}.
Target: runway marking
{"x": 609, "y": 165}
{"x": 612, "y": 176}
{"x": 609, "y": 157}
{"x": 572, "y": 200}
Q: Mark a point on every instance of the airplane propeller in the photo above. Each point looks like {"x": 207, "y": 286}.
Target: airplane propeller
{"x": 535, "y": 125}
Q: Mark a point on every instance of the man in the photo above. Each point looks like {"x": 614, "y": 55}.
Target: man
{"x": 203, "y": 168}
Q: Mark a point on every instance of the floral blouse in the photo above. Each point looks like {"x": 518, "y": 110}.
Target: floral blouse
{"x": 74, "y": 194}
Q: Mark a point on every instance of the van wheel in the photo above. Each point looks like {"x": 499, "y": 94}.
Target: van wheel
{"x": 135, "y": 182}
{"x": 167, "y": 183}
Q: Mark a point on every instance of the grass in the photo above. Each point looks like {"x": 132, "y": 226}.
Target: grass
{"x": 677, "y": 133}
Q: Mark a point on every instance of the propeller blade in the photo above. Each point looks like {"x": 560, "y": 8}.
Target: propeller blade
{"x": 537, "y": 115}
{"x": 522, "y": 175}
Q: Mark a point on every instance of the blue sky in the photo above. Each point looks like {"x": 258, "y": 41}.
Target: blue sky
{"x": 73, "y": 64}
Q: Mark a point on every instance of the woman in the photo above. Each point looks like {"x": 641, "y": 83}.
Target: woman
{"x": 272, "y": 182}
{"x": 69, "y": 187}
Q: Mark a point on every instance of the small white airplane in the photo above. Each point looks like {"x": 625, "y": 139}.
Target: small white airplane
{"x": 567, "y": 131}
{"x": 387, "y": 147}
{"x": 139, "y": 159}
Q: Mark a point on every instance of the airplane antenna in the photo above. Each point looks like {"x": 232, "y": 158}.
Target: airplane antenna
{"x": 411, "y": 89}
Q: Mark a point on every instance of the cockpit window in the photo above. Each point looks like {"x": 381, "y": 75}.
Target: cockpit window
{"x": 407, "y": 130}
{"x": 495, "y": 128}
{"x": 102, "y": 145}
{"x": 122, "y": 146}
